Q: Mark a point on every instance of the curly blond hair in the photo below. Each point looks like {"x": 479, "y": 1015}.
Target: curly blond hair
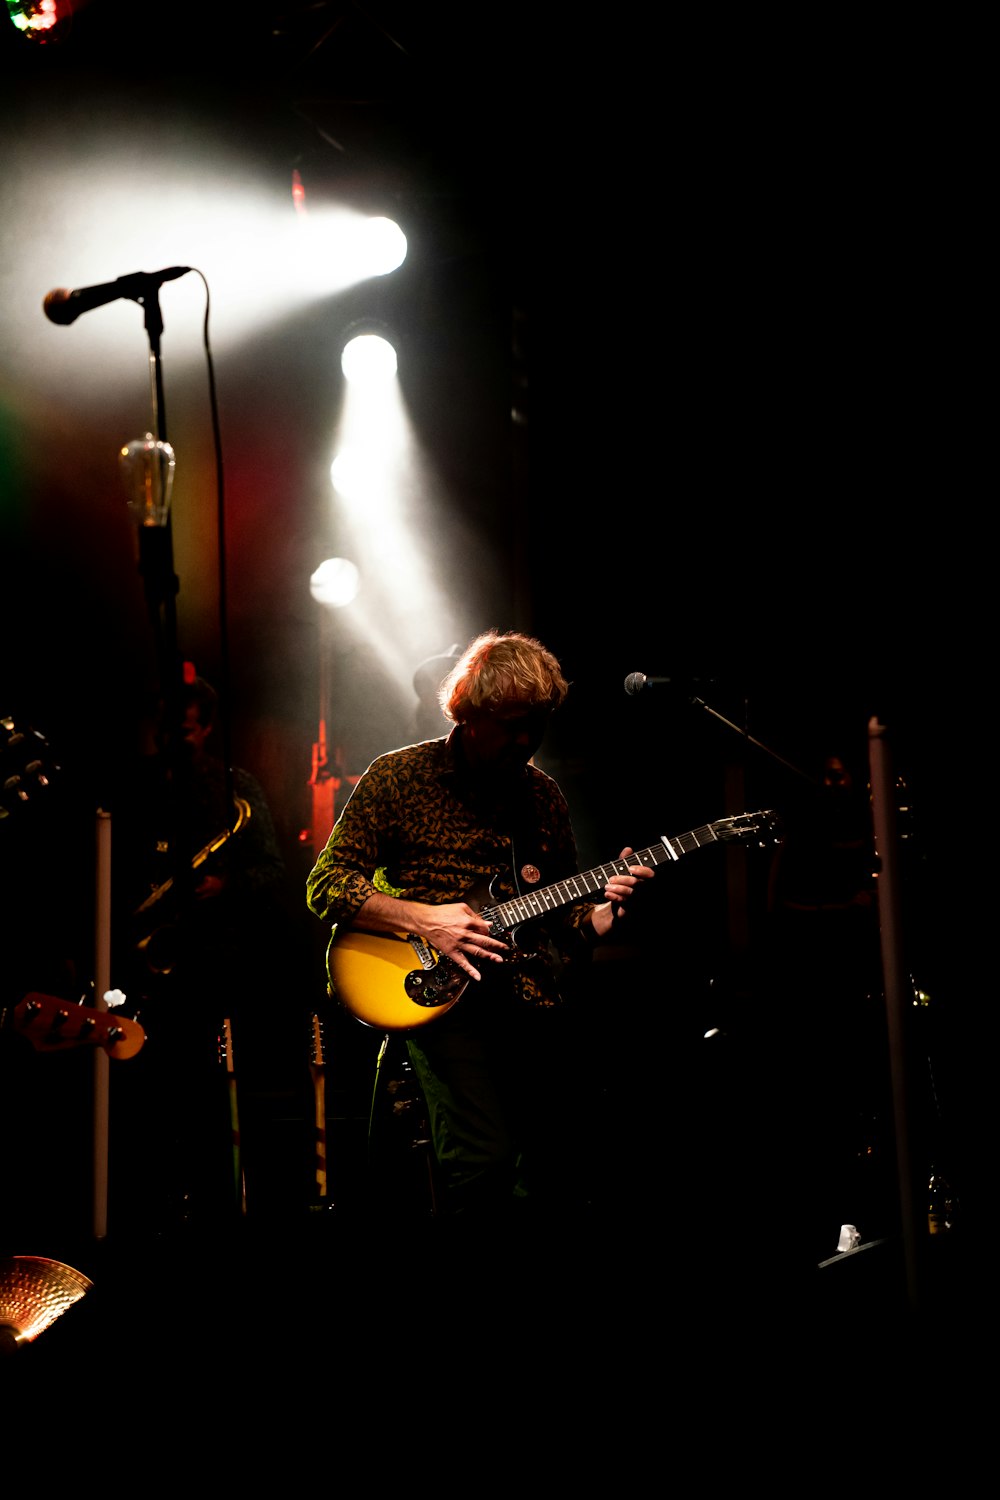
{"x": 501, "y": 668}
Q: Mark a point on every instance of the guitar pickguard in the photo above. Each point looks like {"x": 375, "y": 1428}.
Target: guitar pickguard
{"x": 441, "y": 984}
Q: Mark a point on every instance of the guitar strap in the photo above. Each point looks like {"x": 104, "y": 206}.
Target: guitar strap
{"x": 525, "y": 854}
{"x": 528, "y": 874}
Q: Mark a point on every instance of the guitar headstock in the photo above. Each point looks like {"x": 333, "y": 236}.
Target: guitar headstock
{"x": 54, "y": 1025}
{"x": 317, "y": 1055}
{"x": 224, "y": 1041}
{"x": 26, "y": 766}
{"x": 763, "y": 828}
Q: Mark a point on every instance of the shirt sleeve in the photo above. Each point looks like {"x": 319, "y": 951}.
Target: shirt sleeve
{"x": 343, "y": 876}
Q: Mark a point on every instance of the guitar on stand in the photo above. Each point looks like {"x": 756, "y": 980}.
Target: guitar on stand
{"x": 226, "y": 1058}
{"x": 317, "y": 1072}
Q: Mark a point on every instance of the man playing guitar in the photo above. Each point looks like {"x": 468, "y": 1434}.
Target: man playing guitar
{"x": 428, "y": 832}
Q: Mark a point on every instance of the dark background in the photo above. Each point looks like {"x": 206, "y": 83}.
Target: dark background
{"x": 727, "y": 274}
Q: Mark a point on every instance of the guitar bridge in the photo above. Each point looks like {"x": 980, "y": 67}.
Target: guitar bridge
{"x": 421, "y": 949}
{"x": 437, "y": 982}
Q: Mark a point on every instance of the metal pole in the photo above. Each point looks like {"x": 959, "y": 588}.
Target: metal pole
{"x": 102, "y": 984}
{"x": 894, "y": 981}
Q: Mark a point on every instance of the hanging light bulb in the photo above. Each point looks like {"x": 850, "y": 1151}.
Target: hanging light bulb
{"x": 147, "y": 470}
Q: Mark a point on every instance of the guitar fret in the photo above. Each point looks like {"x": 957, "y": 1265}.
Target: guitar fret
{"x": 697, "y": 837}
{"x": 574, "y": 888}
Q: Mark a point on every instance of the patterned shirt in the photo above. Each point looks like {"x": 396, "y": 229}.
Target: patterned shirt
{"x": 418, "y": 826}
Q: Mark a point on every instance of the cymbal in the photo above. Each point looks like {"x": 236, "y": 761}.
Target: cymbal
{"x": 34, "y": 1291}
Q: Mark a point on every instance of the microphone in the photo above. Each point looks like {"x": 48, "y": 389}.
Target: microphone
{"x": 636, "y": 682}
{"x": 64, "y": 307}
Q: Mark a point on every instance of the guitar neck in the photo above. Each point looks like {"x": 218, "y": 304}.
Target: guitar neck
{"x": 510, "y": 914}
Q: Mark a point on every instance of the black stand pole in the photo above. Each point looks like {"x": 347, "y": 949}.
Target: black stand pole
{"x": 890, "y": 912}
{"x": 700, "y": 703}
{"x": 156, "y": 565}
{"x": 156, "y": 561}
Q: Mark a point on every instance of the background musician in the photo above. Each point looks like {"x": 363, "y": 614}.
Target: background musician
{"x": 210, "y": 934}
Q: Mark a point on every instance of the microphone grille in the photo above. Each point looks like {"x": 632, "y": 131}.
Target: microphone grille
{"x": 635, "y": 682}
{"x": 57, "y": 306}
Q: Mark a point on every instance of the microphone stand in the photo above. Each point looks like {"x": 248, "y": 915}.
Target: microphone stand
{"x": 156, "y": 565}
{"x": 161, "y": 584}
{"x": 156, "y": 562}
{"x": 745, "y": 735}
{"x": 885, "y": 829}
{"x": 736, "y": 878}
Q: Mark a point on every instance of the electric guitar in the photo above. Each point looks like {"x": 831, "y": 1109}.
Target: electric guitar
{"x": 53, "y": 1025}
{"x": 226, "y": 1059}
{"x": 317, "y": 1072}
{"x": 373, "y": 975}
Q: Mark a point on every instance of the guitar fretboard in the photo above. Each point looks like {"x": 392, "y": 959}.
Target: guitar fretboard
{"x": 510, "y": 914}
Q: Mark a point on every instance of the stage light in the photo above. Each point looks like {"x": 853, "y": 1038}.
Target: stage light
{"x": 344, "y": 231}
{"x": 335, "y": 582}
{"x": 353, "y": 472}
{"x": 336, "y": 247}
{"x": 368, "y": 359}
{"x": 383, "y": 244}
{"x": 40, "y": 20}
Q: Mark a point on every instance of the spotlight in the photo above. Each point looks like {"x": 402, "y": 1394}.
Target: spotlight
{"x": 383, "y": 244}
{"x": 335, "y": 582}
{"x": 368, "y": 359}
